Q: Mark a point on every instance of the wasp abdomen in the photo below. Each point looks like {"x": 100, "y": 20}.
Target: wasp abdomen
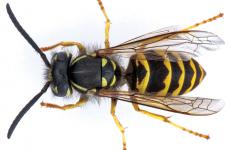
{"x": 164, "y": 77}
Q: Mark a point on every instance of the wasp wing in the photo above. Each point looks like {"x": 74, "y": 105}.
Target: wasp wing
{"x": 154, "y": 33}
{"x": 179, "y": 104}
{"x": 189, "y": 43}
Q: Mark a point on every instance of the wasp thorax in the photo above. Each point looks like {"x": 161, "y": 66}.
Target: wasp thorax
{"x": 59, "y": 72}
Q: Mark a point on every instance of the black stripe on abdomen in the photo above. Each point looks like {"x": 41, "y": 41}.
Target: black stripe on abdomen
{"x": 158, "y": 73}
{"x": 140, "y": 72}
{"x": 176, "y": 73}
{"x": 188, "y": 76}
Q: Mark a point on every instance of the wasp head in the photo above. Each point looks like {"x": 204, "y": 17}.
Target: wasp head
{"x": 59, "y": 72}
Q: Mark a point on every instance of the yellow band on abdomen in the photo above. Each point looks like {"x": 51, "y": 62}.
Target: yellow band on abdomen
{"x": 141, "y": 87}
{"x": 193, "y": 78}
{"x": 181, "y": 79}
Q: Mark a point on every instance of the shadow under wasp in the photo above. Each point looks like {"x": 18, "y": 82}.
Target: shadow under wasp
{"x": 161, "y": 68}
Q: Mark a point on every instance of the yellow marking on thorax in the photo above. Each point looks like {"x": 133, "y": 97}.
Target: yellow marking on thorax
{"x": 144, "y": 83}
{"x": 114, "y": 65}
{"x": 194, "y": 76}
{"x": 77, "y": 59}
{"x": 167, "y": 80}
{"x": 78, "y": 86}
{"x": 182, "y": 76}
{"x": 113, "y": 81}
{"x": 104, "y": 62}
{"x": 104, "y": 82}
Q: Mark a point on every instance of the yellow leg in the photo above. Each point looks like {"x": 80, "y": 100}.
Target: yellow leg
{"x": 81, "y": 48}
{"x": 119, "y": 125}
{"x": 107, "y": 24}
{"x": 81, "y": 102}
{"x": 203, "y": 22}
{"x": 166, "y": 120}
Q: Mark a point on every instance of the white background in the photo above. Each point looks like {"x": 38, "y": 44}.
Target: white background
{"x": 92, "y": 127}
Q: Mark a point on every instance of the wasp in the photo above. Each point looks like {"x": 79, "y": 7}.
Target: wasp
{"x": 161, "y": 68}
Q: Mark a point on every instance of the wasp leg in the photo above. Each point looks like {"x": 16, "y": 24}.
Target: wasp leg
{"x": 119, "y": 125}
{"x": 107, "y": 24}
{"x": 166, "y": 120}
{"x": 81, "y": 102}
{"x": 81, "y": 48}
{"x": 204, "y": 22}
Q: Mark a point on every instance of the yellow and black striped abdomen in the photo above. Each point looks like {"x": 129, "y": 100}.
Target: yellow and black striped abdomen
{"x": 164, "y": 77}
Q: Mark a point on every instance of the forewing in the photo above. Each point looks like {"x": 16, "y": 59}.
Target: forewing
{"x": 189, "y": 43}
{"x": 153, "y": 34}
{"x": 179, "y": 104}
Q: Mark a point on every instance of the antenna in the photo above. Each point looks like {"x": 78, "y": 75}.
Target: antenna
{"x": 44, "y": 58}
{"x": 26, "y": 108}
{"x": 26, "y": 36}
